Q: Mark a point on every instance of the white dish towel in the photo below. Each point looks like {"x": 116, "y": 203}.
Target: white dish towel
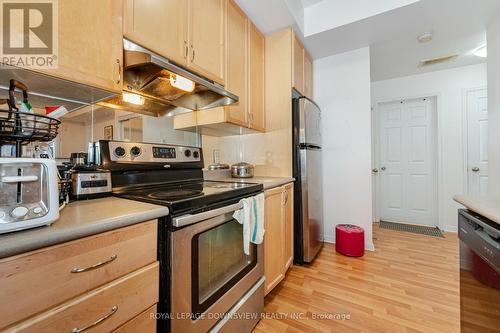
{"x": 251, "y": 216}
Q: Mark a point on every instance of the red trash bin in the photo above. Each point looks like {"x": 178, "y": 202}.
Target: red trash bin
{"x": 350, "y": 240}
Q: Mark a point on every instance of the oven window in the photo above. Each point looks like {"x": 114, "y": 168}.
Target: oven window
{"x": 218, "y": 263}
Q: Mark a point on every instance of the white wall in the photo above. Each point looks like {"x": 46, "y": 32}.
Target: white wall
{"x": 493, "y": 38}
{"x": 342, "y": 90}
{"x": 326, "y": 15}
{"x": 448, "y": 86}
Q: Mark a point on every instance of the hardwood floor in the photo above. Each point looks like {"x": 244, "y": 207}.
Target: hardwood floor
{"x": 409, "y": 284}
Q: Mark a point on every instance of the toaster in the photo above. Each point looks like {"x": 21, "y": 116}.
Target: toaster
{"x": 28, "y": 193}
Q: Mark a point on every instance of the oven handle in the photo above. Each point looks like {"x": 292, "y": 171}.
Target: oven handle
{"x": 188, "y": 219}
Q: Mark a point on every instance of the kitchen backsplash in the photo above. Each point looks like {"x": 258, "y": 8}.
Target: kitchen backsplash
{"x": 89, "y": 124}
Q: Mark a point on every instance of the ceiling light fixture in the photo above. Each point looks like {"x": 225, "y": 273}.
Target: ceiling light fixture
{"x": 425, "y": 37}
{"x": 133, "y": 98}
{"x": 180, "y": 82}
{"x": 481, "y": 51}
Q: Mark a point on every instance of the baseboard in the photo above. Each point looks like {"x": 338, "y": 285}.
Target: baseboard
{"x": 329, "y": 239}
{"x": 451, "y": 228}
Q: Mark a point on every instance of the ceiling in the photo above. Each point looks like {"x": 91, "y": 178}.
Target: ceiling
{"x": 458, "y": 26}
{"x": 307, "y": 3}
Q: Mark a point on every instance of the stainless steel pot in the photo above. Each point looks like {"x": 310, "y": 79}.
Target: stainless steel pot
{"x": 242, "y": 170}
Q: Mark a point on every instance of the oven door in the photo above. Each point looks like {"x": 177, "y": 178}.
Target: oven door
{"x": 210, "y": 271}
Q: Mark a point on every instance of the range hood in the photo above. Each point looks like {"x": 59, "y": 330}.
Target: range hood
{"x": 148, "y": 77}
{"x": 45, "y": 90}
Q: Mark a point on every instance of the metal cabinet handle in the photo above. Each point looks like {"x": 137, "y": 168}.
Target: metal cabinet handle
{"x": 475, "y": 169}
{"x": 383, "y": 168}
{"x": 374, "y": 170}
{"x": 119, "y": 68}
{"x": 192, "y": 53}
{"x": 99, "y": 264}
{"x": 97, "y": 322}
{"x": 186, "y": 50}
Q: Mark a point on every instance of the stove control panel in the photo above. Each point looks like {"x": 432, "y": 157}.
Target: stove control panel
{"x": 152, "y": 152}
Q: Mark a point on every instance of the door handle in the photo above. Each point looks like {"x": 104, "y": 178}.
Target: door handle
{"x": 475, "y": 169}
{"x": 186, "y": 50}
{"x": 374, "y": 170}
{"x": 192, "y": 53}
{"x": 383, "y": 168}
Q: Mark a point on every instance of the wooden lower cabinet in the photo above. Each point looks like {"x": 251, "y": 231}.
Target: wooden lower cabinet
{"x": 143, "y": 323}
{"x": 288, "y": 217}
{"x": 105, "y": 308}
{"x": 113, "y": 276}
{"x": 278, "y": 237}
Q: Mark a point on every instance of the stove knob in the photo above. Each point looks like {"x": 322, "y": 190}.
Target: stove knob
{"x": 196, "y": 154}
{"x": 120, "y": 151}
{"x": 135, "y": 151}
{"x": 187, "y": 152}
{"x": 19, "y": 212}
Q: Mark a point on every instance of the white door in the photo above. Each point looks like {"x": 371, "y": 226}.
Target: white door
{"x": 477, "y": 142}
{"x": 407, "y": 162}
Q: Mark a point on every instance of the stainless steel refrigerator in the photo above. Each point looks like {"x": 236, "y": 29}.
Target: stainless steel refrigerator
{"x": 307, "y": 170}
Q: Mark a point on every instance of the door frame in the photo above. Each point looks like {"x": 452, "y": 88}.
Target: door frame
{"x": 439, "y": 209}
{"x": 465, "y": 134}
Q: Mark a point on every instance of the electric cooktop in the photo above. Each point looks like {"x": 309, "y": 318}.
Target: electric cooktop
{"x": 184, "y": 196}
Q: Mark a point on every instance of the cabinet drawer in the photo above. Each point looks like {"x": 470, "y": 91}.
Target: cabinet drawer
{"x": 38, "y": 280}
{"x": 100, "y": 310}
{"x": 144, "y": 323}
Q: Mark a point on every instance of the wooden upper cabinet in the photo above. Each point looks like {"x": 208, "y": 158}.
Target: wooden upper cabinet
{"x": 188, "y": 32}
{"x": 206, "y": 35}
{"x": 297, "y": 64}
{"x": 158, "y": 25}
{"x": 90, "y": 43}
{"x": 256, "y": 71}
{"x": 236, "y": 63}
{"x": 308, "y": 75}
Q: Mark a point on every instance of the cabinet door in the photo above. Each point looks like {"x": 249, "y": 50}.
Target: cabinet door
{"x": 308, "y": 75}
{"x": 298, "y": 64}
{"x": 274, "y": 239}
{"x": 158, "y": 25}
{"x": 236, "y": 62}
{"x": 288, "y": 221}
{"x": 206, "y": 32}
{"x": 90, "y": 43}
{"x": 256, "y": 73}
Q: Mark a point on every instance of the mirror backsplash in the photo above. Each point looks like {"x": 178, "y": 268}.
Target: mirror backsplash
{"x": 94, "y": 123}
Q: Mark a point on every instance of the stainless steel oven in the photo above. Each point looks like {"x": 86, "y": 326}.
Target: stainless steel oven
{"x": 212, "y": 278}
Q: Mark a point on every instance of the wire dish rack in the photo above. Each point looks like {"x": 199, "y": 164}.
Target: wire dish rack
{"x": 20, "y": 128}
{"x": 23, "y": 127}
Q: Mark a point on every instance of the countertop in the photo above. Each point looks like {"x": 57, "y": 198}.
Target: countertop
{"x": 488, "y": 207}
{"x": 267, "y": 182}
{"x": 80, "y": 219}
